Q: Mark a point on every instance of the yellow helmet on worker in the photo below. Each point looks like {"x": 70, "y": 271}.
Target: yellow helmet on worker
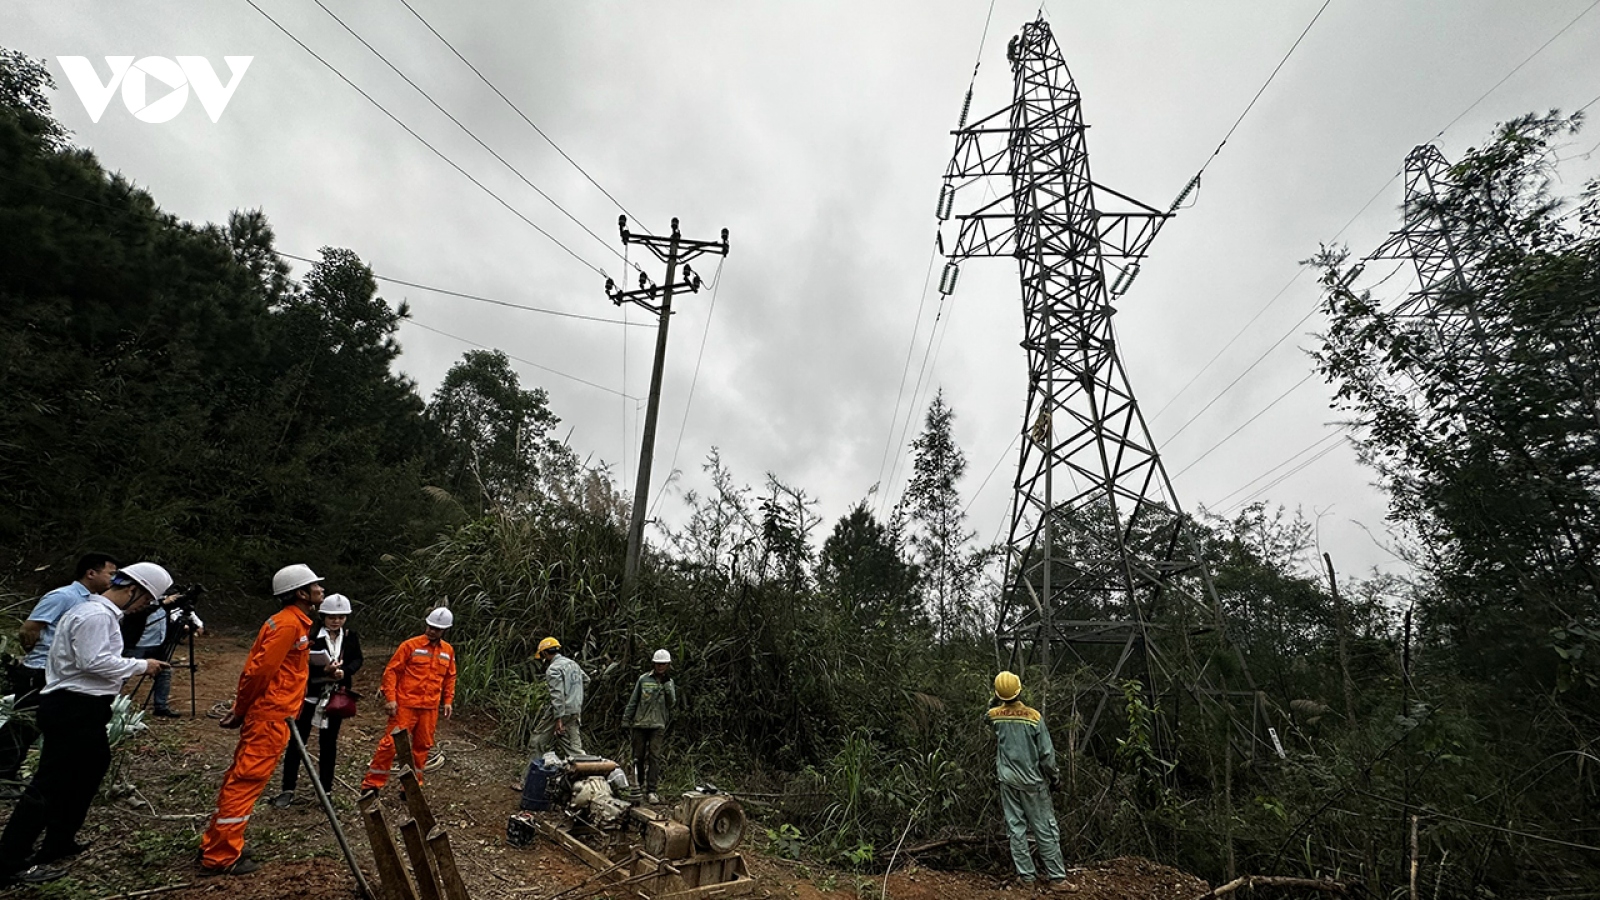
{"x": 1007, "y": 686}
{"x": 549, "y": 643}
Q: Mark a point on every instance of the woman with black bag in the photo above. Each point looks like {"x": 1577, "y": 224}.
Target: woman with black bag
{"x": 335, "y": 659}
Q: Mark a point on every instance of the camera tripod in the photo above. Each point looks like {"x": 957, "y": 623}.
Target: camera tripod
{"x": 179, "y": 630}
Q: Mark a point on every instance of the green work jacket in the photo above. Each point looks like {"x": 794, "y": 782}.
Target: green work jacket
{"x": 1024, "y": 756}
{"x": 651, "y": 704}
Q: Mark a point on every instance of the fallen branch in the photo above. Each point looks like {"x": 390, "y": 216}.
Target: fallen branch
{"x": 965, "y": 840}
{"x": 145, "y": 893}
{"x": 1254, "y": 881}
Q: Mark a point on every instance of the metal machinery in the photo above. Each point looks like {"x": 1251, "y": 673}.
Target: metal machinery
{"x": 686, "y": 852}
{"x": 1104, "y": 574}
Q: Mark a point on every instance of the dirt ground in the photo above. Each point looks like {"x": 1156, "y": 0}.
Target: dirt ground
{"x": 145, "y": 828}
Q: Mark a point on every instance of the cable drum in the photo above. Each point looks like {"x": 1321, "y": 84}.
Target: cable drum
{"x": 718, "y": 825}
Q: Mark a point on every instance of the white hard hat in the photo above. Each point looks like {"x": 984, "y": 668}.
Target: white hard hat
{"x": 661, "y": 656}
{"x": 149, "y": 576}
{"x": 441, "y": 618}
{"x": 290, "y": 578}
{"x": 336, "y": 605}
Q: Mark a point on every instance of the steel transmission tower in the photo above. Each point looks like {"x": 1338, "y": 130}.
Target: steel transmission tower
{"x": 1104, "y": 578}
{"x": 1445, "y": 255}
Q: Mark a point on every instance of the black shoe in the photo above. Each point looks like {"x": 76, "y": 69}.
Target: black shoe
{"x": 283, "y": 800}
{"x": 167, "y": 714}
{"x": 11, "y": 790}
{"x": 48, "y": 855}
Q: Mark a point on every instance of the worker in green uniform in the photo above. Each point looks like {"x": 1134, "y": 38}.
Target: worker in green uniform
{"x": 1025, "y": 761}
{"x": 647, "y": 715}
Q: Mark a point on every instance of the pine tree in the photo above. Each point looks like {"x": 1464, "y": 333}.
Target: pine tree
{"x": 939, "y": 535}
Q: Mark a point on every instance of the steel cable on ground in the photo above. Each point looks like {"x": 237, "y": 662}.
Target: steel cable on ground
{"x": 481, "y": 299}
{"x": 527, "y": 362}
{"x": 465, "y": 130}
{"x": 420, "y": 139}
{"x": 705, "y": 333}
{"x": 520, "y": 114}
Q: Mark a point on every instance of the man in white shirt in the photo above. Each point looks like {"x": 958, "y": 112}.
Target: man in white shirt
{"x": 83, "y": 674}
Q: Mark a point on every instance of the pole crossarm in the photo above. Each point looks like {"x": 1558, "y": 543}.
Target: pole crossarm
{"x": 1102, "y": 562}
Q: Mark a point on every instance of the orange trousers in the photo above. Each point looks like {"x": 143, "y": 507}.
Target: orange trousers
{"x": 261, "y": 743}
{"x": 421, "y": 723}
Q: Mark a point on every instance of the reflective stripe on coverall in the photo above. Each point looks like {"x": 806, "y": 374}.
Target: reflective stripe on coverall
{"x": 419, "y": 677}
{"x": 271, "y": 688}
{"x": 1025, "y": 761}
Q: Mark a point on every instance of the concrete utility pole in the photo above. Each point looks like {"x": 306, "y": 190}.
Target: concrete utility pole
{"x": 674, "y": 251}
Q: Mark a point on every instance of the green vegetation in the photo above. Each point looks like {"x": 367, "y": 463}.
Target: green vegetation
{"x": 166, "y": 389}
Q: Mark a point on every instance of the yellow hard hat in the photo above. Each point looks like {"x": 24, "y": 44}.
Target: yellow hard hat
{"x": 549, "y": 643}
{"x": 1007, "y": 686}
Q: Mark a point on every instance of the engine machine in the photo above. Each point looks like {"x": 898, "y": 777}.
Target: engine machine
{"x": 688, "y": 851}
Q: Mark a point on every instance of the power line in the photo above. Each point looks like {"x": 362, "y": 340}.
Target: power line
{"x": 481, "y": 299}
{"x": 1272, "y": 471}
{"x": 518, "y": 111}
{"x": 469, "y": 133}
{"x": 1282, "y": 478}
{"x": 1474, "y": 105}
{"x": 526, "y": 362}
{"x": 1263, "y": 411}
{"x": 716, "y": 284}
{"x": 1276, "y": 69}
{"x": 905, "y": 371}
{"x": 420, "y": 139}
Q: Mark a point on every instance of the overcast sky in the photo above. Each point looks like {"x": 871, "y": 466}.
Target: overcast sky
{"x": 817, "y": 132}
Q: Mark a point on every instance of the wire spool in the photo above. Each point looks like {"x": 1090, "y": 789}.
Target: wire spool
{"x": 718, "y": 824}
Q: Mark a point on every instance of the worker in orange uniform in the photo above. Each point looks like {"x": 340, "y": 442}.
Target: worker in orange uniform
{"x": 271, "y": 689}
{"x": 419, "y": 679}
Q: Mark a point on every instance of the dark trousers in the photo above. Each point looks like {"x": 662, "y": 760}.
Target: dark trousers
{"x": 327, "y": 750}
{"x": 72, "y": 763}
{"x": 647, "y": 745}
{"x": 19, "y": 732}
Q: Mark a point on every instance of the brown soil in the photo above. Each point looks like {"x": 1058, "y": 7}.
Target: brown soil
{"x": 162, "y": 792}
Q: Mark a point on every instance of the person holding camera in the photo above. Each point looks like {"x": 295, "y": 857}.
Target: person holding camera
{"x": 167, "y": 613}
{"x": 335, "y": 659}
{"x": 271, "y": 691}
{"x": 92, "y": 576}
{"x": 83, "y": 674}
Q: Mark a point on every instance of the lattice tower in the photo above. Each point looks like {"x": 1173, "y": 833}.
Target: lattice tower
{"x": 1104, "y": 578}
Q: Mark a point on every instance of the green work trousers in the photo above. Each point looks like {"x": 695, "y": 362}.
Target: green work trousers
{"x": 1029, "y": 809}
{"x": 566, "y": 745}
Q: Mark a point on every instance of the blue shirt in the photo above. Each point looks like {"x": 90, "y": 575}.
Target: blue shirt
{"x": 48, "y": 610}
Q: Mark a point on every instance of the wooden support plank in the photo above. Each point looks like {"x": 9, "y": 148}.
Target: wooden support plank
{"x": 417, "y": 802}
{"x": 444, "y": 856}
{"x": 421, "y": 862}
{"x": 402, "y": 748}
{"x": 391, "y": 872}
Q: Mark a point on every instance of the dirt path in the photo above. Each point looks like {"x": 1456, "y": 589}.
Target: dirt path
{"x": 145, "y": 837}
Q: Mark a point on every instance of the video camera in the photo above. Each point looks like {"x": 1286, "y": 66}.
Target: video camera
{"x": 185, "y": 597}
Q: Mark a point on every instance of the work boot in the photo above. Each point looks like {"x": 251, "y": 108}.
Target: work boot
{"x": 32, "y": 875}
{"x": 242, "y": 866}
{"x": 652, "y": 797}
{"x": 168, "y": 714}
{"x": 283, "y": 800}
{"x": 1062, "y": 886}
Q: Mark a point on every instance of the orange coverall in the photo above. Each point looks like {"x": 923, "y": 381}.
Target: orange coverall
{"x": 271, "y": 689}
{"x": 419, "y": 677}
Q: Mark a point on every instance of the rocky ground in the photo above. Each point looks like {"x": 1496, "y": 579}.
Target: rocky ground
{"x": 146, "y": 827}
